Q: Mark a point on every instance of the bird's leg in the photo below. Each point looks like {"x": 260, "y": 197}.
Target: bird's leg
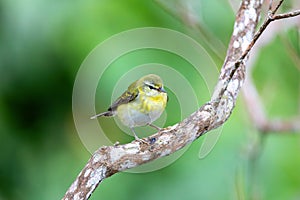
{"x": 136, "y": 137}
{"x": 154, "y": 126}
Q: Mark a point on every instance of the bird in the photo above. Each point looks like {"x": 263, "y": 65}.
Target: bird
{"x": 140, "y": 105}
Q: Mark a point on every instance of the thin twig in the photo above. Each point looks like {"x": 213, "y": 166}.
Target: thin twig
{"x": 214, "y": 46}
{"x": 286, "y": 15}
{"x": 258, "y": 116}
{"x": 277, "y": 7}
{"x": 109, "y": 160}
{"x": 267, "y": 21}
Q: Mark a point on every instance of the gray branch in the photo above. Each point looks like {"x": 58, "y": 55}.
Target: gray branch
{"x": 109, "y": 160}
{"x": 258, "y": 115}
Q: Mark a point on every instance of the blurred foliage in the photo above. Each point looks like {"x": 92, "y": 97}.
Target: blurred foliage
{"x": 43, "y": 44}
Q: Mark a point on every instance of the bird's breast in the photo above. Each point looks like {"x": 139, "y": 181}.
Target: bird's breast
{"x": 152, "y": 103}
{"x": 158, "y": 99}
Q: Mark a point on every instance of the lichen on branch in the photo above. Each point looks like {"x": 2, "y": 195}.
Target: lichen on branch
{"x": 109, "y": 160}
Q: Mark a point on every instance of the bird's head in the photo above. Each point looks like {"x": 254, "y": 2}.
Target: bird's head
{"x": 151, "y": 85}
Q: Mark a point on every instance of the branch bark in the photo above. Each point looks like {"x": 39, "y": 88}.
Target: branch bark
{"x": 109, "y": 160}
{"x": 252, "y": 98}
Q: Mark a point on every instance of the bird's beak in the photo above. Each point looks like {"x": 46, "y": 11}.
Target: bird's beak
{"x": 163, "y": 90}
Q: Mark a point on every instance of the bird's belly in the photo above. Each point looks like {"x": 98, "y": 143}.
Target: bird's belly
{"x": 134, "y": 114}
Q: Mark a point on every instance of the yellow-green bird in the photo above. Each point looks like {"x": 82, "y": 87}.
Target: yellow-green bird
{"x": 141, "y": 104}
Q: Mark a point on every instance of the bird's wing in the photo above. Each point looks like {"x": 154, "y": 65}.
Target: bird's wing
{"x": 126, "y": 97}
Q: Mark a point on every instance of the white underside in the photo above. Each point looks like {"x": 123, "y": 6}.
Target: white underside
{"x": 130, "y": 114}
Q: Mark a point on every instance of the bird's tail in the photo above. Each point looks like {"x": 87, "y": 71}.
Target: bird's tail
{"x": 106, "y": 114}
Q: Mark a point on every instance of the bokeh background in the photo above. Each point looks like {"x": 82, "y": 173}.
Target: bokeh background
{"x": 42, "y": 45}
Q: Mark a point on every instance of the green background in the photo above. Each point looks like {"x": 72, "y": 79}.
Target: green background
{"x": 42, "y": 45}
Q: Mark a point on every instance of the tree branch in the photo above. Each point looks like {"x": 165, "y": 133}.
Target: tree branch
{"x": 286, "y": 15}
{"x": 109, "y": 160}
{"x": 258, "y": 116}
{"x": 267, "y": 21}
{"x": 252, "y": 98}
{"x": 210, "y": 43}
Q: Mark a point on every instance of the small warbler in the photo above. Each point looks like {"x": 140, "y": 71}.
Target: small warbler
{"x": 141, "y": 104}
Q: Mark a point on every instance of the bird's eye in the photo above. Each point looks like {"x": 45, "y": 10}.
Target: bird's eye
{"x": 151, "y": 87}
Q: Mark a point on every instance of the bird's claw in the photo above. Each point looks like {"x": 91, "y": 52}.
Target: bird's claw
{"x": 141, "y": 140}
